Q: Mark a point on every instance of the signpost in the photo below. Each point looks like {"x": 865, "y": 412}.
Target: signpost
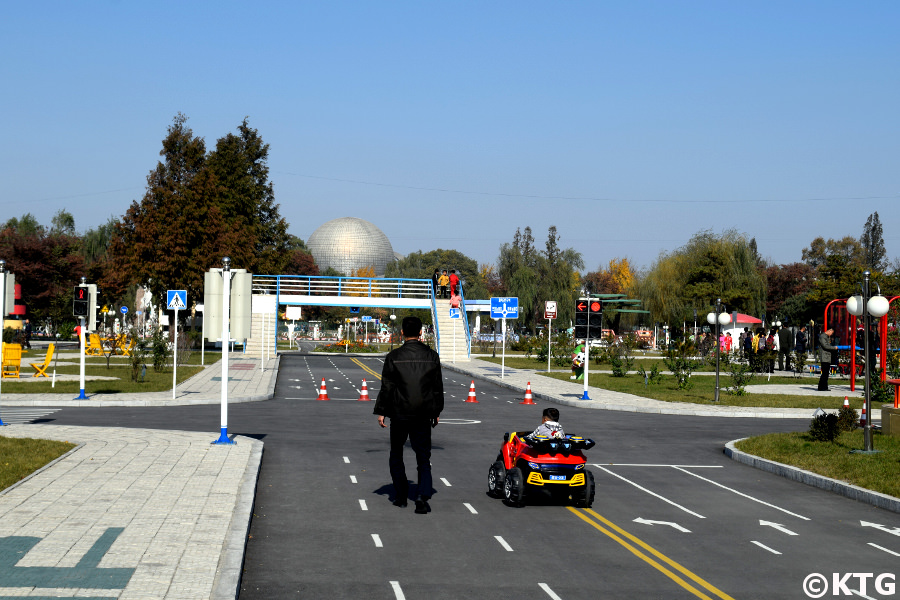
{"x": 501, "y": 308}
{"x": 549, "y": 314}
{"x": 175, "y": 300}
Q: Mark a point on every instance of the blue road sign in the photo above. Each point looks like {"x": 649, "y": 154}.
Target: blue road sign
{"x": 455, "y": 314}
{"x": 366, "y": 318}
{"x": 176, "y": 299}
{"x": 354, "y": 310}
{"x": 124, "y": 310}
{"x": 504, "y": 308}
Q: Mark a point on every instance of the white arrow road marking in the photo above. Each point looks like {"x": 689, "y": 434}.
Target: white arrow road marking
{"x": 884, "y": 528}
{"x": 884, "y": 549}
{"x": 764, "y": 547}
{"x": 780, "y": 528}
{"x": 670, "y": 524}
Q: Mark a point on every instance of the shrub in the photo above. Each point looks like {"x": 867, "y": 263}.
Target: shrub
{"x": 138, "y": 359}
{"x": 677, "y": 360}
{"x": 741, "y": 374}
{"x": 159, "y": 348}
{"x": 847, "y": 419}
{"x": 654, "y": 376}
{"x": 824, "y": 427}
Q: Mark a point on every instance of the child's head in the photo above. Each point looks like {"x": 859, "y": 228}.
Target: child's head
{"x": 550, "y": 414}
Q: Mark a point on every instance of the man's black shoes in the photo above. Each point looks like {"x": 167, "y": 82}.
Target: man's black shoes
{"x": 422, "y": 506}
{"x": 401, "y": 502}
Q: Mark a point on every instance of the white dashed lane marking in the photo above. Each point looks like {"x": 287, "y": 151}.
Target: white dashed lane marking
{"x": 471, "y": 508}
{"x": 445, "y": 482}
{"x": 353, "y": 479}
{"x": 503, "y": 543}
{"x": 550, "y": 592}
{"x": 377, "y": 539}
{"x": 362, "y": 505}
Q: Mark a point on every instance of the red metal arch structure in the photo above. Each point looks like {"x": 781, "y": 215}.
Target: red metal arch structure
{"x": 845, "y": 324}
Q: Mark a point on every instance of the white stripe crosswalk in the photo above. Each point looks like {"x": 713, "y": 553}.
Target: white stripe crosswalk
{"x": 22, "y": 414}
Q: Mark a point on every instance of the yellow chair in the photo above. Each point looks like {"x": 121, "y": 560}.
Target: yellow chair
{"x": 12, "y": 360}
{"x": 94, "y": 346}
{"x": 42, "y": 369}
{"x": 126, "y": 348}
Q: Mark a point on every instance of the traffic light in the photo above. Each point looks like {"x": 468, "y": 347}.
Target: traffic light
{"x": 581, "y": 318}
{"x": 81, "y": 301}
{"x": 595, "y": 318}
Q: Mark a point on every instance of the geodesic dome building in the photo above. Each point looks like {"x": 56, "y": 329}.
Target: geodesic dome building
{"x": 348, "y": 244}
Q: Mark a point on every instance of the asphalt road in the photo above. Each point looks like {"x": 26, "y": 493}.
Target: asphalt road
{"x": 324, "y": 527}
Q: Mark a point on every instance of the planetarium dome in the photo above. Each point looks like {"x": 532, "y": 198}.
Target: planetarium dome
{"x": 348, "y": 244}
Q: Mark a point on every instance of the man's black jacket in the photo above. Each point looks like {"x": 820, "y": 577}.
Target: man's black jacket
{"x": 411, "y": 383}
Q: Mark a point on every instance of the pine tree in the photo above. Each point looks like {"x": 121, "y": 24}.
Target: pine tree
{"x": 872, "y": 241}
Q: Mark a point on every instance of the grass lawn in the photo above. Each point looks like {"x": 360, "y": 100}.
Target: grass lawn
{"x": 20, "y": 457}
{"x": 878, "y": 472}
{"x": 153, "y": 381}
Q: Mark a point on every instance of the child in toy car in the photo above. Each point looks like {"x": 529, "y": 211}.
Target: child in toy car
{"x": 529, "y": 461}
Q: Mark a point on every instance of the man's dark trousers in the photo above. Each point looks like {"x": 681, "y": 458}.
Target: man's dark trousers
{"x": 418, "y": 431}
{"x": 823, "y": 378}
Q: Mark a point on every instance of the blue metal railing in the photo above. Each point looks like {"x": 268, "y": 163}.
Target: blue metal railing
{"x": 462, "y": 307}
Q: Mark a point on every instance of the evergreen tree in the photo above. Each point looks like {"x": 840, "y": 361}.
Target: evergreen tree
{"x": 872, "y": 241}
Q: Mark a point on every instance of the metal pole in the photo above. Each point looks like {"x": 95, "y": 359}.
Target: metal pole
{"x": 503, "y": 350}
{"x": 81, "y": 395}
{"x": 549, "y": 337}
{"x": 867, "y": 430}
{"x": 226, "y": 336}
{"x": 175, "y": 356}
{"x": 718, "y": 348}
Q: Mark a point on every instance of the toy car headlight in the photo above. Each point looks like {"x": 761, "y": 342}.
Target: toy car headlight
{"x": 579, "y": 467}
{"x": 534, "y": 466}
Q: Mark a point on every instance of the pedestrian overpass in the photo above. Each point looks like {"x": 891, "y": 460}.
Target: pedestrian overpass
{"x": 372, "y": 292}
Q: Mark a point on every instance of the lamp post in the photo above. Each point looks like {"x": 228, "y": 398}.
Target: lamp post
{"x": 877, "y": 306}
{"x": 717, "y": 318}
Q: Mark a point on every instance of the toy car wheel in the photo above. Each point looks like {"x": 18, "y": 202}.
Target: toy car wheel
{"x": 514, "y": 486}
{"x": 584, "y": 497}
{"x": 497, "y": 479}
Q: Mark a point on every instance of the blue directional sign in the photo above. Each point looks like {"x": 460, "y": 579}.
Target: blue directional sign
{"x": 455, "y": 313}
{"x": 124, "y": 310}
{"x": 504, "y": 308}
{"x": 366, "y": 318}
{"x": 176, "y": 299}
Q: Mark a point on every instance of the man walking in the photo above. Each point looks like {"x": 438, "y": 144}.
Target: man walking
{"x": 826, "y": 357}
{"x": 412, "y": 397}
{"x": 785, "y": 345}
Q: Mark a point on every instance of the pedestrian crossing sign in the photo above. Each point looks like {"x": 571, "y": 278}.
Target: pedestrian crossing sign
{"x": 176, "y": 299}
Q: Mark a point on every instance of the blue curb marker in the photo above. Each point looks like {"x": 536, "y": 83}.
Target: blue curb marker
{"x": 585, "y": 396}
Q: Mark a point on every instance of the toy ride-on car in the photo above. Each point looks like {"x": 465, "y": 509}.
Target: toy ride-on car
{"x": 556, "y": 465}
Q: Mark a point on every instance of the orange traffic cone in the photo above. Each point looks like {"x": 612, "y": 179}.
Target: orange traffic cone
{"x": 323, "y": 392}
{"x": 364, "y": 393}
{"x": 471, "y": 397}
{"x": 862, "y": 419}
{"x": 528, "y": 398}
{"x": 846, "y": 402}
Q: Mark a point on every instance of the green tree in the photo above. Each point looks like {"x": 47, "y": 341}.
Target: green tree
{"x": 421, "y": 265}
{"x": 26, "y": 225}
{"x": 63, "y": 222}
{"x": 246, "y": 198}
{"x": 872, "y": 242}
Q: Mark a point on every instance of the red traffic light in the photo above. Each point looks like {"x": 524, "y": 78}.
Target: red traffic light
{"x": 581, "y": 306}
{"x": 596, "y": 306}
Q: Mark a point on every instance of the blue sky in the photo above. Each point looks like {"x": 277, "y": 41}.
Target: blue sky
{"x": 628, "y": 125}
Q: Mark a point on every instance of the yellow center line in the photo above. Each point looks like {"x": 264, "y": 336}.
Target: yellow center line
{"x": 586, "y": 515}
{"x": 366, "y": 369}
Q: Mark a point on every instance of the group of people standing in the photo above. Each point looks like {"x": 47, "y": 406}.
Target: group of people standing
{"x": 442, "y": 280}
{"x": 761, "y": 347}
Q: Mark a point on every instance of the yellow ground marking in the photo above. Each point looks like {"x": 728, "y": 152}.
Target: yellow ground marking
{"x": 586, "y": 515}
{"x": 367, "y": 369}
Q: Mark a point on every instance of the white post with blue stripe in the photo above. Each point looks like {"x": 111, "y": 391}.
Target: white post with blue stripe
{"x": 3, "y": 309}
{"x": 226, "y": 336}
{"x": 83, "y": 346}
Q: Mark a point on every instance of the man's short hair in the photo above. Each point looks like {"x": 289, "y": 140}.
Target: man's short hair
{"x": 411, "y": 327}
{"x": 553, "y": 413}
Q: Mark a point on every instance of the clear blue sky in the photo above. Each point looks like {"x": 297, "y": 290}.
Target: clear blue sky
{"x": 628, "y": 125}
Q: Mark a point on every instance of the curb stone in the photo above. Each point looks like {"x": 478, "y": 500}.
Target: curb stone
{"x": 848, "y": 490}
